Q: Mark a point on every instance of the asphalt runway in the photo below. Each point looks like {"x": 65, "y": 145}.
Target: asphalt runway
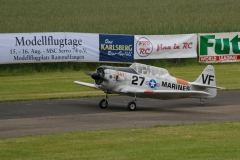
{"x": 83, "y": 114}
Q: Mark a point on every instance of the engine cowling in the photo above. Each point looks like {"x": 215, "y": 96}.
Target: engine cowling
{"x": 98, "y": 76}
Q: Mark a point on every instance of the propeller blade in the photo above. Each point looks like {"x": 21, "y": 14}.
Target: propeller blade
{"x": 94, "y": 75}
{"x": 102, "y": 78}
{"x": 88, "y": 73}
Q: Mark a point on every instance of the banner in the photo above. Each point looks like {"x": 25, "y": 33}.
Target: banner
{"x": 116, "y": 47}
{"x": 48, "y": 47}
{"x": 165, "y": 46}
{"x": 219, "y": 47}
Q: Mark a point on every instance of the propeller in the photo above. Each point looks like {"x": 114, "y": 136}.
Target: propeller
{"x": 98, "y": 76}
{"x": 94, "y": 75}
{"x": 88, "y": 73}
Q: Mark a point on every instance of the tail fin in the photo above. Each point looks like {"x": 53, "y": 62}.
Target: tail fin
{"x": 207, "y": 81}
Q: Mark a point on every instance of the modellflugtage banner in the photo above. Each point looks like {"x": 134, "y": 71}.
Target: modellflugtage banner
{"x": 219, "y": 47}
{"x": 165, "y": 46}
{"x": 48, "y": 47}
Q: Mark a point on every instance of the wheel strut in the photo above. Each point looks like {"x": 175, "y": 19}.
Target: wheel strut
{"x": 135, "y": 98}
{"x": 201, "y": 101}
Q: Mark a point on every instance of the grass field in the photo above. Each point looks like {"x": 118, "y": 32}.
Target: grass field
{"x": 195, "y": 142}
{"x": 120, "y": 17}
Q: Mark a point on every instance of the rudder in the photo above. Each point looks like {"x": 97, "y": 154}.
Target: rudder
{"x": 208, "y": 79}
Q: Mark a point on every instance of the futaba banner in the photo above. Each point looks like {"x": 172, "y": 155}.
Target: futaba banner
{"x": 219, "y": 47}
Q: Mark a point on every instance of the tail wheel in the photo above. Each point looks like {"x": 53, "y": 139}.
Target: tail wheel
{"x": 103, "y": 103}
{"x": 132, "y": 106}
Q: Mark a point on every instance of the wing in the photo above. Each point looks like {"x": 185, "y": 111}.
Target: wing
{"x": 86, "y": 84}
{"x": 166, "y": 94}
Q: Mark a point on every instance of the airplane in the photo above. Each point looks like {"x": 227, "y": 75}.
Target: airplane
{"x": 145, "y": 81}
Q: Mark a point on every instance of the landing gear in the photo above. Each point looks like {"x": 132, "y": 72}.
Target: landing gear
{"x": 104, "y": 103}
{"x": 201, "y": 101}
{"x": 131, "y": 106}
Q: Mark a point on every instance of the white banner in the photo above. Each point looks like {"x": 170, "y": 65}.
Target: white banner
{"x": 219, "y": 47}
{"x": 48, "y": 47}
{"x": 165, "y": 46}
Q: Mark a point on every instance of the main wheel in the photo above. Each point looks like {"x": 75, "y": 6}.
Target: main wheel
{"x": 132, "y": 106}
{"x": 103, "y": 103}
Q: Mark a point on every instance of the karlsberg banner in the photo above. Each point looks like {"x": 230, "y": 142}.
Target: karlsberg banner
{"x": 219, "y": 47}
{"x": 165, "y": 46}
{"x": 65, "y": 47}
{"x": 116, "y": 48}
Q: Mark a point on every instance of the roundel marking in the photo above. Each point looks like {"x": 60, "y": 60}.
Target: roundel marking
{"x": 152, "y": 83}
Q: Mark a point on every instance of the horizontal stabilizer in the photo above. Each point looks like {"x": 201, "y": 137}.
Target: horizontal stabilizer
{"x": 205, "y": 85}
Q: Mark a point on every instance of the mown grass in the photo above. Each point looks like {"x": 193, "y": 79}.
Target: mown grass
{"x": 59, "y": 84}
{"x": 120, "y": 17}
{"x": 195, "y": 141}
{"x": 47, "y": 85}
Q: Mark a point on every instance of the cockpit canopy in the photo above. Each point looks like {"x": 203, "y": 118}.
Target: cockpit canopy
{"x": 148, "y": 70}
